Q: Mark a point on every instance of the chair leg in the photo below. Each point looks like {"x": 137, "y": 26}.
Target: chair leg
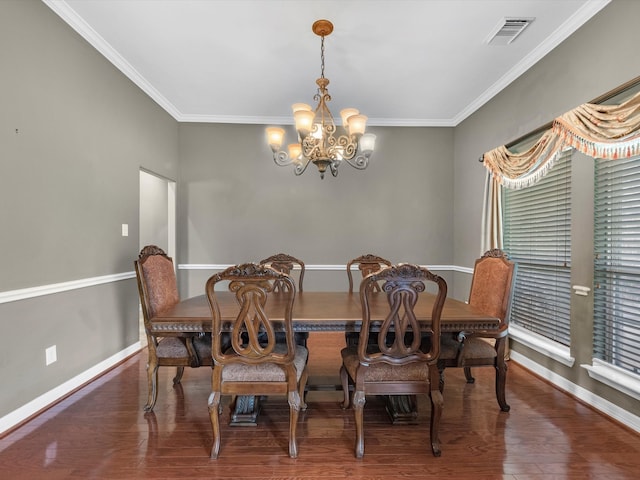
{"x": 441, "y": 377}
{"x": 501, "y": 373}
{"x": 437, "y": 403}
{"x": 302, "y": 389}
{"x": 468, "y": 376}
{"x": 359, "y": 399}
{"x": 214, "y": 412}
{"x": 152, "y": 384}
{"x": 178, "y": 377}
{"x": 294, "y": 409}
{"x": 501, "y": 382}
{"x": 344, "y": 379}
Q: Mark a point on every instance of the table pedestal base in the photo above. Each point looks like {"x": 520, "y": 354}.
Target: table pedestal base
{"x": 245, "y": 411}
{"x": 402, "y": 409}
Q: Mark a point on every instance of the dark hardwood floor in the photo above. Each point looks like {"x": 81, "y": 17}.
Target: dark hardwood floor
{"x": 101, "y": 432}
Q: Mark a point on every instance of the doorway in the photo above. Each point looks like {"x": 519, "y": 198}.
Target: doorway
{"x": 157, "y": 219}
{"x": 157, "y": 212}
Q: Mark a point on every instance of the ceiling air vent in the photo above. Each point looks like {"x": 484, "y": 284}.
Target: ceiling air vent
{"x": 507, "y": 30}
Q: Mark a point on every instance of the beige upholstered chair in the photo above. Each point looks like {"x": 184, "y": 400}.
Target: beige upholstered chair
{"x": 158, "y": 290}
{"x": 256, "y": 364}
{"x": 491, "y": 292}
{"x": 396, "y": 364}
{"x": 285, "y": 263}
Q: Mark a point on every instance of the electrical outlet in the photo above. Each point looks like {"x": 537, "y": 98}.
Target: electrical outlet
{"x": 51, "y": 355}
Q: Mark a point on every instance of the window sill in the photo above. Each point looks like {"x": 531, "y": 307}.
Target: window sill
{"x": 543, "y": 345}
{"x": 615, "y": 377}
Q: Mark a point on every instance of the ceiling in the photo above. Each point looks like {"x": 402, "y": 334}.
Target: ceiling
{"x": 400, "y": 62}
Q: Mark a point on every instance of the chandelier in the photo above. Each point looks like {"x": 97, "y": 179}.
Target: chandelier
{"x": 317, "y": 130}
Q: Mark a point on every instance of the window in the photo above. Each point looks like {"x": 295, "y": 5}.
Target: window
{"x": 537, "y": 235}
{"x": 617, "y": 263}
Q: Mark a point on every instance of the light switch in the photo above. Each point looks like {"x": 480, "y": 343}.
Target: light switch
{"x": 51, "y": 355}
{"x": 125, "y": 230}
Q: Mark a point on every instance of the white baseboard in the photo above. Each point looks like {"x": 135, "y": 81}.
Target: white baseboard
{"x": 52, "y": 396}
{"x": 606, "y": 407}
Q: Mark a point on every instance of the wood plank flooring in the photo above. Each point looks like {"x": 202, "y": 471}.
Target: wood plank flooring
{"x": 101, "y": 432}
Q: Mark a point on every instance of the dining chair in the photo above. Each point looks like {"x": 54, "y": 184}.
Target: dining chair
{"x": 285, "y": 263}
{"x": 491, "y": 293}
{"x": 397, "y": 364}
{"x": 255, "y": 363}
{"x": 367, "y": 264}
{"x": 158, "y": 290}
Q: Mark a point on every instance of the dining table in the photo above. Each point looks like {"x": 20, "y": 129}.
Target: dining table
{"x": 315, "y": 311}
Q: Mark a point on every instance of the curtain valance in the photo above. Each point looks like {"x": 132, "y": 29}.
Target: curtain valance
{"x": 600, "y": 131}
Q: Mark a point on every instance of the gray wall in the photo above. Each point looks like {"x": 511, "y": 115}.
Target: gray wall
{"x": 74, "y": 133}
{"x": 597, "y": 58}
{"x": 236, "y": 205}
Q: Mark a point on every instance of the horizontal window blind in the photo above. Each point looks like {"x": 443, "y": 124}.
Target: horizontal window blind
{"x": 617, "y": 263}
{"x": 537, "y": 235}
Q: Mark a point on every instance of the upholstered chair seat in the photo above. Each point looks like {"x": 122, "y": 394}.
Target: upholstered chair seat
{"x": 473, "y": 347}
{"x": 379, "y": 372}
{"x": 266, "y": 372}
{"x": 171, "y": 347}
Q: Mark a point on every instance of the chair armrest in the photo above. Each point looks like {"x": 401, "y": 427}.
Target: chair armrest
{"x": 503, "y": 331}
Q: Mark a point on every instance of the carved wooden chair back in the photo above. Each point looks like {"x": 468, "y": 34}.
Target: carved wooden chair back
{"x": 367, "y": 264}
{"x": 158, "y": 290}
{"x": 399, "y": 363}
{"x": 285, "y": 263}
{"x": 256, "y": 363}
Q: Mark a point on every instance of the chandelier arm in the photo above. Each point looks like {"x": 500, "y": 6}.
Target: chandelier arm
{"x": 301, "y": 166}
{"x": 360, "y": 161}
{"x": 333, "y": 166}
{"x": 281, "y": 158}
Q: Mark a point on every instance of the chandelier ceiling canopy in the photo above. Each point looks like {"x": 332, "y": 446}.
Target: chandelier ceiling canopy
{"x": 318, "y": 140}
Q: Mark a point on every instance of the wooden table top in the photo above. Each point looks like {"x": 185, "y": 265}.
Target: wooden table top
{"x": 321, "y": 311}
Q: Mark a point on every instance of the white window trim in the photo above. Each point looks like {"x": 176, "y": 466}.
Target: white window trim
{"x": 543, "y": 345}
{"x": 615, "y": 377}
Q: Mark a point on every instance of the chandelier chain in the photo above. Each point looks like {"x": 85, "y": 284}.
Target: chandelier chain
{"x": 322, "y": 57}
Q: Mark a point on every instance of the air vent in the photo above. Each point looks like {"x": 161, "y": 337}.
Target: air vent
{"x": 508, "y": 30}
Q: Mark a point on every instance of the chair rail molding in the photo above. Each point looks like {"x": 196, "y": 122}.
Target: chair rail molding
{"x": 39, "y": 291}
{"x": 319, "y": 267}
